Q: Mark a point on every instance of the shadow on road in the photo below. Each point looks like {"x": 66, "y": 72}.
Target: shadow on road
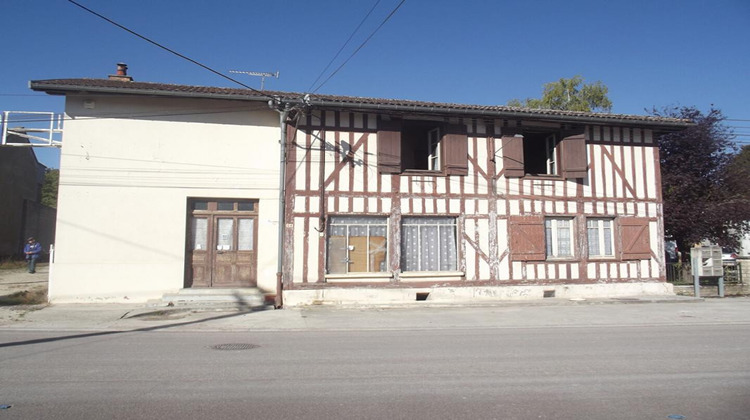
{"x": 243, "y": 308}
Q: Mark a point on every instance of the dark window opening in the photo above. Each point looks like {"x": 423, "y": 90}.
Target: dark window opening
{"x": 432, "y": 146}
{"x": 420, "y": 146}
{"x": 545, "y": 152}
{"x": 540, "y": 153}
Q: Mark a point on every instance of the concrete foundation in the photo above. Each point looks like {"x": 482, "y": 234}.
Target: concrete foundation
{"x": 370, "y": 297}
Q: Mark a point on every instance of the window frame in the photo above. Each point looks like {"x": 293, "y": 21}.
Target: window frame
{"x": 453, "y": 224}
{"x": 550, "y": 146}
{"x": 552, "y": 238}
{"x": 566, "y": 155}
{"x": 601, "y": 238}
{"x": 434, "y": 147}
{"x": 445, "y": 154}
{"x": 332, "y": 223}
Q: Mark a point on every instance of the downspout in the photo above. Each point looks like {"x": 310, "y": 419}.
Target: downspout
{"x": 283, "y": 109}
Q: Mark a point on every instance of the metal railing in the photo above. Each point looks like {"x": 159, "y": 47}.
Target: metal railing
{"x": 681, "y": 273}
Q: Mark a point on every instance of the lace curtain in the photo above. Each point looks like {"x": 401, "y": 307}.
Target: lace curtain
{"x": 428, "y": 244}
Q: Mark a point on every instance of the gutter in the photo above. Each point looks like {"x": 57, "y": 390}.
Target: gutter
{"x": 283, "y": 109}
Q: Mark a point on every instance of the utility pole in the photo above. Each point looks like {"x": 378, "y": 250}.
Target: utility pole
{"x": 262, "y": 75}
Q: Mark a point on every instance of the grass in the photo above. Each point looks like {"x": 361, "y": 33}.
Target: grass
{"x": 25, "y": 297}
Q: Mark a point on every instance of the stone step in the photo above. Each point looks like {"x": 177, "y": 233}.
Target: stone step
{"x": 215, "y": 297}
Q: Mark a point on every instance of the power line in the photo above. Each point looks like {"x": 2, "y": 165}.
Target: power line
{"x": 167, "y": 49}
{"x": 360, "y": 45}
{"x": 345, "y": 44}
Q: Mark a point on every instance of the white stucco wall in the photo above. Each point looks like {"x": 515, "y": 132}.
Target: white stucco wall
{"x": 127, "y": 169}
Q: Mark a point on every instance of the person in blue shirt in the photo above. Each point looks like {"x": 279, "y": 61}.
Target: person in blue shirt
{"x": 32, "y": 251}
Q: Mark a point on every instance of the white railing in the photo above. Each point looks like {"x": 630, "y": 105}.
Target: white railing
{"x": 42, "y": 129}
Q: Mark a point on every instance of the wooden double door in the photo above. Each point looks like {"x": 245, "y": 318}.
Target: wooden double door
{"x": 222, "y": 243}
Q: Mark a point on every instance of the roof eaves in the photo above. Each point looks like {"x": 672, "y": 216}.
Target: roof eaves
{"x": 104, "y": 86}
{"x": 63, "y": 89}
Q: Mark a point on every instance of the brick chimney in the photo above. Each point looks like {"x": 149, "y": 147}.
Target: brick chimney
{"x": 122, "y": 73}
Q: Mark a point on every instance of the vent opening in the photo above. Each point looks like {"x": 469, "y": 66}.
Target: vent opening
{"x": 422, "y": 295}
{"x": 549, "y": 293}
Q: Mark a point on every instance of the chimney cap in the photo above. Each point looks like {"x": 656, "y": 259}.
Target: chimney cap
{"x": 122, "y": 73}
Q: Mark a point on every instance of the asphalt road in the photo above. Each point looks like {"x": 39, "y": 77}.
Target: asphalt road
{"x": 628, "y": 372}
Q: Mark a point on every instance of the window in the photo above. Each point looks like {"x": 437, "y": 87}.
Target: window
{"x": 433, "y": 149}
{"x": 434, "y": 146}
{"x": 357, "y": 244}
{"x": 547, "y": 153}
{"x": 601, "y": 240}
{"x": 428, "y": 244}
{"x": 539, "y": 152}
{"x": 558, "y": 237}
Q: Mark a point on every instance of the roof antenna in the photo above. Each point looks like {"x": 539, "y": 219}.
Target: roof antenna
{"x": 262, "y": 75}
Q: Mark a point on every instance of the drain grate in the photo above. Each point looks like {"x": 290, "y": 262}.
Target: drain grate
{"x": 235, "y": 346}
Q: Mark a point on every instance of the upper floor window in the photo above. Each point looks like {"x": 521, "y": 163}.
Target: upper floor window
{"x": 410, "y": 145}
{"x": 540, "y": 154}
{"x": 543, "y": 152}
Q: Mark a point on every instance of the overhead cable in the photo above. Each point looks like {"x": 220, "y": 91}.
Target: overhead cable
{"x": 360, "y": 45}
{"x": 168, "y": 49}
{"x": 344, "y": 46}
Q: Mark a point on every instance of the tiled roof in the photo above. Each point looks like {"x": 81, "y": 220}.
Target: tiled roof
{"x": 332, "y": 101}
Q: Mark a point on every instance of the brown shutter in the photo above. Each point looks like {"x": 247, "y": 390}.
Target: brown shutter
{"x": 513, "y": 156}
{"x": 573, "y": 151}
{"x": 455, "y": 150}
{"x": 635, "y": 238}
{"x": 527, "y": 238}
{"x": 389, "y": 146}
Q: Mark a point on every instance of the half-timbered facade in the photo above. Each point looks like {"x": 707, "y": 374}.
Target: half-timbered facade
{"x": 456, "y": 205}
{"x": 384, "y": 201}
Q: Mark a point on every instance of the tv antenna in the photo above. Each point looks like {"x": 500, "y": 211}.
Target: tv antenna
{"x": 261, "y": 74}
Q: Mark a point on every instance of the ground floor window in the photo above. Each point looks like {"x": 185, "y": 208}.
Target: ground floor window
{"x": 428, "y": 244}
{"x": 357, "y": 244}
{"x": 558, "y": 237}
{"x": 601, "y": 240}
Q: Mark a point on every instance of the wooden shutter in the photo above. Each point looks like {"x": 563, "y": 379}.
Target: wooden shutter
{"x": 389, "y": 146}
{"x": 513, "y": 156}
{"x": 635, "y": 238}
{"x": 573, "y": 156}
{"x": 527, "y": 238}
{"x": 455, "y": 150}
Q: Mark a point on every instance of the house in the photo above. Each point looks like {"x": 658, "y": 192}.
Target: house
{"x": 165, "y": 187}
{"x": 22, "y": 213}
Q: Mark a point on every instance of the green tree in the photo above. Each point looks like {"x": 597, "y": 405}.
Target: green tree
{"x": 570, "y": 95}
{"x": 49, "y": 188}
{"x": 705, "y": 194}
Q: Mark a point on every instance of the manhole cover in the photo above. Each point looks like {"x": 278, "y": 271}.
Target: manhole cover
{"x": 235, "y": 346}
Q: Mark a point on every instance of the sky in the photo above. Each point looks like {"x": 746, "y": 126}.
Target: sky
{"x": 649, "y": 54}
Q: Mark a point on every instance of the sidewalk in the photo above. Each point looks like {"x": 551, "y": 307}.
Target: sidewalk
{"x": 528, "y": 314}
{"x": 551, "y": 312}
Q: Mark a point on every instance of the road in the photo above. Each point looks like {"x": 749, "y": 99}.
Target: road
{"x": 570, "y": 372}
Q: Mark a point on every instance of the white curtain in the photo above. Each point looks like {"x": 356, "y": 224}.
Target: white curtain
{"x": 428, "y": 244}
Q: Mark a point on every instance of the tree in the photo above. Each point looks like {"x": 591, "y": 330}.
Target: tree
{"x": 570, "y": 95}
{"x": 49, "y": 188}
{"x": 738, "y": 173}
{"x": 704, "y": 198}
